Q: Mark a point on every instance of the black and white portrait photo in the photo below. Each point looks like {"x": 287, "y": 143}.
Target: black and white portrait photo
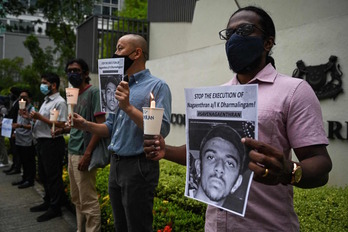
{"x": 218, "y": 163}
{"x": 108, "y": 85}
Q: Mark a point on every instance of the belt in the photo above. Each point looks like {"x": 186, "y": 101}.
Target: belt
{"x": 122, "y": 157}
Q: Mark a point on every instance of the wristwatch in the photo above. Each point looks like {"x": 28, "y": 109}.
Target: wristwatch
{"x": 296, "y": 174}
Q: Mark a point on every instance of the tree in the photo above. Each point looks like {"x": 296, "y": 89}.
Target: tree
{"x": 63, "y": 17}
{"x": 134, "y": 9}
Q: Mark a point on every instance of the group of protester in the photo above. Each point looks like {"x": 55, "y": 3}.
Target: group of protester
{"x": 291, "y": 120}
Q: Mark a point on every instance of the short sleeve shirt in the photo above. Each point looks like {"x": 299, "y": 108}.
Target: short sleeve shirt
{"x": 89, "y": 98}
{"x": 24, "y": 136}
{"x": 289, "y": 116}
{"x": 54, "y": 101}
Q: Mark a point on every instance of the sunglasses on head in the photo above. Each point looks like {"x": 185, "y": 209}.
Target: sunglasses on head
{"x": 243, "y": 30}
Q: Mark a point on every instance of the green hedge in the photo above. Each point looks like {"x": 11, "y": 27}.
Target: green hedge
{"x": 319, "y": 209}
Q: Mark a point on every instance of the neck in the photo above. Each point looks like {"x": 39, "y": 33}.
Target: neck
{"x": 53, "y": 91}
{"x": 246, "y": 77}
{"x": 135, "y": 68}
{"x": 83, "y": 86}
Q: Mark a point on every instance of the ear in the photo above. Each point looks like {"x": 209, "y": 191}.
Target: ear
{"x": 237, "y": 184}
{"x": 54, "y": 85}
{"x": 138, "y": 53}
{"x": 198, "y": 167}
{"x": 268, "y": 44}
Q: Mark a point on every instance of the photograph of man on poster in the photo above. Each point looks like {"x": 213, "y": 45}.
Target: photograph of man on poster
{"x": 218, "y": 172}
{"x": 108, "y": 84}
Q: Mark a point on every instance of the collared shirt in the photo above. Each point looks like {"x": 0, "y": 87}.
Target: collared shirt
{"x": 289, "y": 116}
{"x": 24, "y": 136}
{"x": 126, "y": 136}
{"x": 54, "y": 101}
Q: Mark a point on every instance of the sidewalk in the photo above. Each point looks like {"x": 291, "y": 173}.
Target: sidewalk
{"x": 15, "y": 204}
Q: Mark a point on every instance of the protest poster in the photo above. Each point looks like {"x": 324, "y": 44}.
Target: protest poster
{"x": 6, "y": 127}
{"x": 217, "y": 162}
{"x": 110, "y": 73}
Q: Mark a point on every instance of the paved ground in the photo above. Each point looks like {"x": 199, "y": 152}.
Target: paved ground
{"x": 15, "y": 204}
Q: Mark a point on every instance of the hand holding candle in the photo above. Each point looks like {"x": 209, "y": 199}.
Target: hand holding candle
{"x": 53, "y": 117}
{"x": 152, "y": 117}
{"x": 71, "y": 98}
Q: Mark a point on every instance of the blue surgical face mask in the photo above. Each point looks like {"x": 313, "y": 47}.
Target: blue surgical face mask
{"x": 45, "y": 89}
{"x": 244, "y": 53}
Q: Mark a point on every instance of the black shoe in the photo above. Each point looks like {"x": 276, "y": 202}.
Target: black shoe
{"x": 39, "y": 208}
{"x": 49, "y": 215}
{"x": 13, "y": 172}
{"x": 25, "y": 184}
{"x": 8, "y": 170}
{"x": 18, "y": 182}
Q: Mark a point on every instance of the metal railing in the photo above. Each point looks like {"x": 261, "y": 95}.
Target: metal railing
{"x": 98, "y": 35}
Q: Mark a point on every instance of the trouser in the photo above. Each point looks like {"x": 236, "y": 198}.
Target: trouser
{"x": 132, "y": 184}
{"x": 15, "y": 157}
{"x": 3, "y": 151}
{"x": 84, "y": 196}
{"x": 50, "y": 158}
{"x": 27, "y": 157}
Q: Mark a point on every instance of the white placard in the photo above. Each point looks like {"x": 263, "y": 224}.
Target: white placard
{"x": 6, "y": 128}
{"x": 217, "y": 162}
{"x": 110, "y": 72}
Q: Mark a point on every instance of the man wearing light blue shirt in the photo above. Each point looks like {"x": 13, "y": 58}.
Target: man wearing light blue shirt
{"x": 133, "y": 178}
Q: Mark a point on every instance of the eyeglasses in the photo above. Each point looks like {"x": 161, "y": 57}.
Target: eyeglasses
{"x": 243, "y": 30}
{"x": 74, "y": 70}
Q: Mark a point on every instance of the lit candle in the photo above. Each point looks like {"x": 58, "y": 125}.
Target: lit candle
{"x": 53, "y": 117}
{"x": 22, "y": 104}
{"x": 153, "y": 103}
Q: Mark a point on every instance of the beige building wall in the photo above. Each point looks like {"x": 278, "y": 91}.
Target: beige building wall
{"x": 192, "y": 55}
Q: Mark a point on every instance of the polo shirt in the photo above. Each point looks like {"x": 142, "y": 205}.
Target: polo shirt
{"x": 289, "y": 116}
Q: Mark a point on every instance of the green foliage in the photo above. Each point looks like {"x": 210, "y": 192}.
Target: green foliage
{"x": 319, "y": 209}
{"x": 43, "y": 60}
{"x": 63, "y": 17}
{"x": 322, "y": 209}
{"x": 134, "y": 9}
{"x": 10, "y": 71}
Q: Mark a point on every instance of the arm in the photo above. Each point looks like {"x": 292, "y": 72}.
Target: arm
{"x": 122, "y": 95}
{"x": 86, "y": 159}
{"x": 155, "y": 149}
{"x": 314, "y": 161}
{"x": 316, "y": 165}
{"x": 95, "y": 128}
{"x": 37, "y": 116}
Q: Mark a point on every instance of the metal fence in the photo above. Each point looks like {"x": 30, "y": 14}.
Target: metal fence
{"x": 98, "y": 35}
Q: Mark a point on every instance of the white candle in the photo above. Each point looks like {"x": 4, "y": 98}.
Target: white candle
{"x": 153, "y": 103}
{"x": 53, "y": 117}
{"x": 71, "y": 114}
{"x": 22, "y": 104}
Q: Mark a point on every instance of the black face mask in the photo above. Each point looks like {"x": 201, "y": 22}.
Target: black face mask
{"x": 75, "y": 79}
{"x": 244, "y": 53}
{"x": 127, "y": 61}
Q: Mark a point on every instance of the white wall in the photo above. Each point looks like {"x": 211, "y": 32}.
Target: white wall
{"x": 191, "y": 55}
